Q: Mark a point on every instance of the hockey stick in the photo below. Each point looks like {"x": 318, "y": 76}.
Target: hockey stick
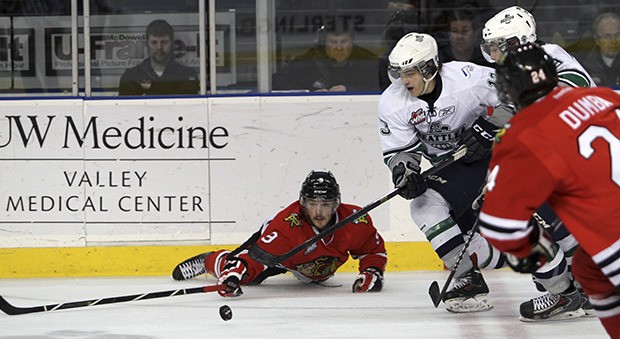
{"x": 433, "y": 290}
{"x": 251, "y": 241}
{"x": 9, "y": 309}
{"x": 271, "y": 260}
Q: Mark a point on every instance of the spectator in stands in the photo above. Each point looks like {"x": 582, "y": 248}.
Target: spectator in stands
{"x": 603, "y": 62}
{"x": 463, "y": 42}
{"x": 159, "y": 74}
{"x": 335, "y": 64}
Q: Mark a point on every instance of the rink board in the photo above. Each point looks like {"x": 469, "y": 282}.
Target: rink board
{"x": 132, "y": 186}
{"x": 160, "y": 260}
{"x": 181, "y": 171}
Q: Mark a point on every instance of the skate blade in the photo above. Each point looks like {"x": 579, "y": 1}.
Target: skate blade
{"x": 562, "y": 316}
{"x": 589, "y": 313}
{"x": 478, "y": 303}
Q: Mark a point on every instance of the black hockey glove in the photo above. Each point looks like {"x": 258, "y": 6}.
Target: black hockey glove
{"x": 231, "y": 277}
{"x": 370, "y": 280}
{"x": 409, "y": 178}
{"x": 543, "y": 250}
{"x": 478, "y": 139}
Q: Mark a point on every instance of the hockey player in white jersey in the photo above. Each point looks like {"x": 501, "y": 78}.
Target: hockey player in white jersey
{"x": 509, "y": 28}
{"x": 514, "y": 26}
{"x": 429, "y": 110}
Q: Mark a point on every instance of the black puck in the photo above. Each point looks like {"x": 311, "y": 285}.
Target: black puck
{"x": 225, "y": 312}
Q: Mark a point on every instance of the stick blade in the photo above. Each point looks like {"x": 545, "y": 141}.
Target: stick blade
{"x": 12, "y": 310}
{"x": 433, "y": 291}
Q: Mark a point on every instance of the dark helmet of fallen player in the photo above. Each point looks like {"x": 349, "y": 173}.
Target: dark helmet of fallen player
{"x": 320, "y": 185}
{"x": 525, "y": 74}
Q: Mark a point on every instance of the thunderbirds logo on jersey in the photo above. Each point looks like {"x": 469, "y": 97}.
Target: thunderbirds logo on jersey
{"x": 294, "y": 220}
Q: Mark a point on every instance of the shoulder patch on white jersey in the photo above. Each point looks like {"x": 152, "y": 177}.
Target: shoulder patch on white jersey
{"x": 417, "y": 117}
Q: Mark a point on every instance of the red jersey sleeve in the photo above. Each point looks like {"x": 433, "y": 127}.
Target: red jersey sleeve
{"x": 366, "y": 244}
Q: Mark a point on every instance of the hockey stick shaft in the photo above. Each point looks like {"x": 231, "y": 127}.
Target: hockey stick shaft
{"x": 433, "y": 290}
{"x": 251, "y": 241}
{"x": 9, "y": 309}
{"x": 271, "y": 260}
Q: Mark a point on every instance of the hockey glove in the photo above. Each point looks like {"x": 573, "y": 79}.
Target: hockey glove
{"x": 410, "y": 180}
{"x": 370, "y": 280}
{"x": 231, "y": 277}
{"x": 478, "y": 139}
{"x": 543, "y": 250}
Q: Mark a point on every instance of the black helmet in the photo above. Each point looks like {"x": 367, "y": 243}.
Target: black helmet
{"x": 525, "y": 74}
{"x": 320, "y": 185}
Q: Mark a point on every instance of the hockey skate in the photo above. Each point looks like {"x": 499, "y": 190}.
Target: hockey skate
{"x": 191, "y": 267}
{"x": 586, "y": 306}
{"x": 468, "y": 294}
{"x": 549, "y": 307}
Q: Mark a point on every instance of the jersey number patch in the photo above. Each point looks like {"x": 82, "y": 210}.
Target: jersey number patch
{"x": 269, "y": 237}
{"x": 586, "y": 150}
{"x": 538, "y": 76}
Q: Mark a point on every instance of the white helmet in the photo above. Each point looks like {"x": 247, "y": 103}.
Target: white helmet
{"x": 511, "y": 27}
{"x": 414, "y": 50}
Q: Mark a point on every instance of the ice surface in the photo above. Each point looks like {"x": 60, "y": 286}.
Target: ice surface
{"x": 282, "y": 307}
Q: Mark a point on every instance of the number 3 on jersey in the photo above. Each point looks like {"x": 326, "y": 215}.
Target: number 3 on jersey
{"x": 269, "y": 237}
